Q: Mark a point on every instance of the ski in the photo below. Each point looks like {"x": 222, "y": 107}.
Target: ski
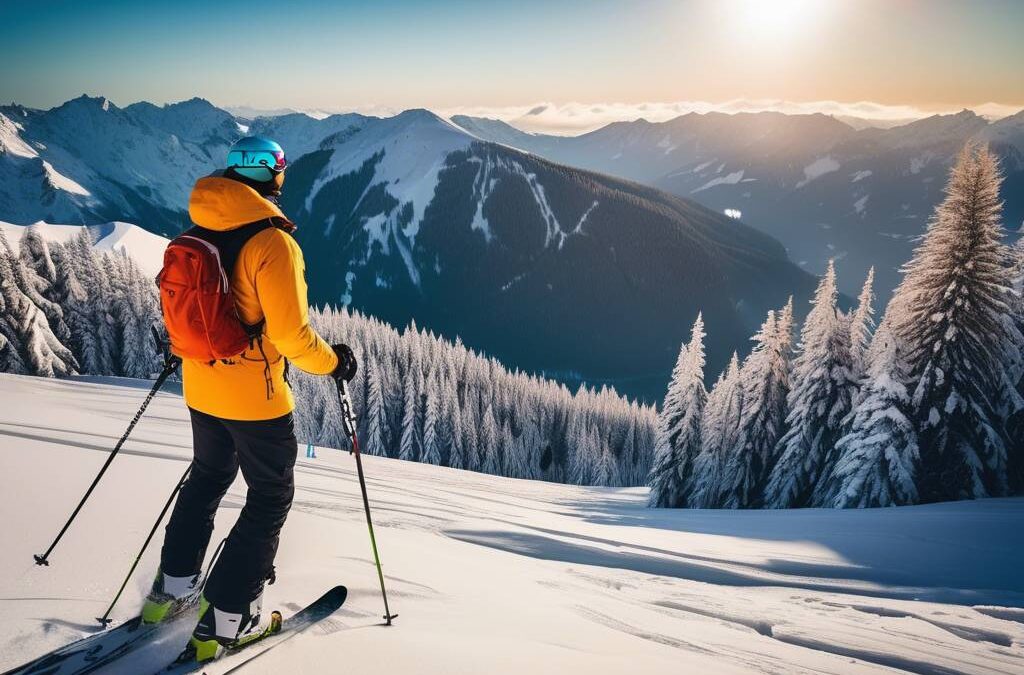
{"x": 318, "y": 610}
{"x": 95, "y": 651}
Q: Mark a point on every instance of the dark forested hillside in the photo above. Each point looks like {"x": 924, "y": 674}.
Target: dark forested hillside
{"x": 551, "y": 268}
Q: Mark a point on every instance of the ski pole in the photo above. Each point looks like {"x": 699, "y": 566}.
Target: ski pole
{"x": 105, "y": 619}
{"x": 171, "y": 363}
{"x": 348, "y": 421}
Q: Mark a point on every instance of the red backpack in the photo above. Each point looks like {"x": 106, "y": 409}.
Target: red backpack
{"x": 195, "y": 293}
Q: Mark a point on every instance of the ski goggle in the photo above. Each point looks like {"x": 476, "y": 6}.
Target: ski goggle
{"x": 272, "y": 160}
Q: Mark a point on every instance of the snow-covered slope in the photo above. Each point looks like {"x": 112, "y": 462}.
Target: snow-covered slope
{"x": 504, "y": 576}
{"x": 146, "y": 248}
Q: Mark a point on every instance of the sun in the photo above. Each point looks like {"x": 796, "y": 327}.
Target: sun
{"x": 773, "y": 19}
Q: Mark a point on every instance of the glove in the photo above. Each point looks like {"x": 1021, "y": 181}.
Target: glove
{"x": 347, "y": 366}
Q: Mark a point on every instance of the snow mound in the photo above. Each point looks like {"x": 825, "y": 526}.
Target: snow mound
{"x": 498, "y": 575}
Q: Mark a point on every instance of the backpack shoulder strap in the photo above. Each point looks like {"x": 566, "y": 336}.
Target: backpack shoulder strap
{"x": 230, "y": 243}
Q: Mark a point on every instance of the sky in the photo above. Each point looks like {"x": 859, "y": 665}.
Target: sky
{"x": 573, "y": 64}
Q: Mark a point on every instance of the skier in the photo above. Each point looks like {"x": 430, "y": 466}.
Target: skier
{"x": 240, "y": 407}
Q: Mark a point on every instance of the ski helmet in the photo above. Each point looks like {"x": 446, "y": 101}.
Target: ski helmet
{"x": 256, "y": 158}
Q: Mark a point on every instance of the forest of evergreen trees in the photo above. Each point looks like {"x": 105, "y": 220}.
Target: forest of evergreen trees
{"x": 927, "y": 406}
{"x": 66, "y": 308}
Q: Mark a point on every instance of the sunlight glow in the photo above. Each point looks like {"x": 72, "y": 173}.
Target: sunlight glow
{"x": 772, "y": 20}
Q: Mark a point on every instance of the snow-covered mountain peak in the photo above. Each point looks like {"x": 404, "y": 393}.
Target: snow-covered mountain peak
{"x": 87, "y": 103}
{"x": 195, "y": 120}
{"x": 407, "y": 151}
{"x": 298, "y": 133}
{"x": 953, "y": 127}
{"x": 425, "y": 121}
{"x": 1007, "y": 130}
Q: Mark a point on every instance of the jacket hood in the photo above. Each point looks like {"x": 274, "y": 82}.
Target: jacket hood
{"x": 222, "y": 204}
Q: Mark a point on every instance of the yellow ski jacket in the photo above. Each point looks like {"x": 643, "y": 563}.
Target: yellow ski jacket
{"x": 269, "y": 284}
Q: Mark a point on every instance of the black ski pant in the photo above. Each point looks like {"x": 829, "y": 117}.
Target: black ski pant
{"x": 265, "y": 451}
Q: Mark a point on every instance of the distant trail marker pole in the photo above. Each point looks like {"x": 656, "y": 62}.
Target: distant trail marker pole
{"x": 171, "y": 363}
{"x": 348, "y": 420}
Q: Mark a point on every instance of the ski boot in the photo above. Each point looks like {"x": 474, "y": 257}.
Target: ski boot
{"x": 219, "y": 630}
{"x": 169, "y": 596}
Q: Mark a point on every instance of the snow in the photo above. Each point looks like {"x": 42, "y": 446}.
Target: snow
{"x": 860, "y": 175}
{"x": 697, "y": 169}
{"x": 62, "y": 182}
{"x": 817, "y": 169}
{"x": 735, "y": 214}
{"x": 486, "y": 179}
{"x": 145, "y": 247}
{"x": 861, "y": 204}
{"x": 579, "y": 224}
{"x": 11, "y": 141}
{"x": 731, "y": 179}
{"x": 508, "y": 576}
{"x": 415, "y": 144}
{"x": 92, "y": 150}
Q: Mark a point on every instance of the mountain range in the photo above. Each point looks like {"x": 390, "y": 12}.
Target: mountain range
{"x": 822, "y": 187}
{"x": 550, "y": 268}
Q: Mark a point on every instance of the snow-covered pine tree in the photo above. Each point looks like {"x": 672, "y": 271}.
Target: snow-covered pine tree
{"x": 41, "y": 352}
{"x": 41, "y": 277}
{"x": 457, "y": 450}
{"x": 679, "y": 437}
{"x": 764, "y": 380}
{"x": 666, "y": 488}
{"x": 606, "y": 471}
{"x": 489, "y": 440}
{"x": 821, "y": 397}
{"x": 511, "y": 456}
{"x": 1015, "y": 423}
{"x": 878, "y": 459}
{"x": 133, "y": 311}
{"x": 411, "y": 445}
{"x": 530, "y": 442}
{"x": 99, "y": 349}
{"x": 377, "y": 421}
{"x": 471, "y": 423}
{"x": 861, "y": 325}
{"x": 955, "y": 299}
{"x": 719, "y": 437}
{"x": 112, "y": 286}
{"x": 629, "y": 457}
{"x": 431, "y": 422}
{"x": 581, "y": 451}
{"x": 446, "y": 410}
{"x": 73, "y": 298}
{"x": 11, "y": 348}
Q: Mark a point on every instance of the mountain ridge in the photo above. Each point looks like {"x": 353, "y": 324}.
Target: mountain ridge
{"x": 411, "y": 217}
